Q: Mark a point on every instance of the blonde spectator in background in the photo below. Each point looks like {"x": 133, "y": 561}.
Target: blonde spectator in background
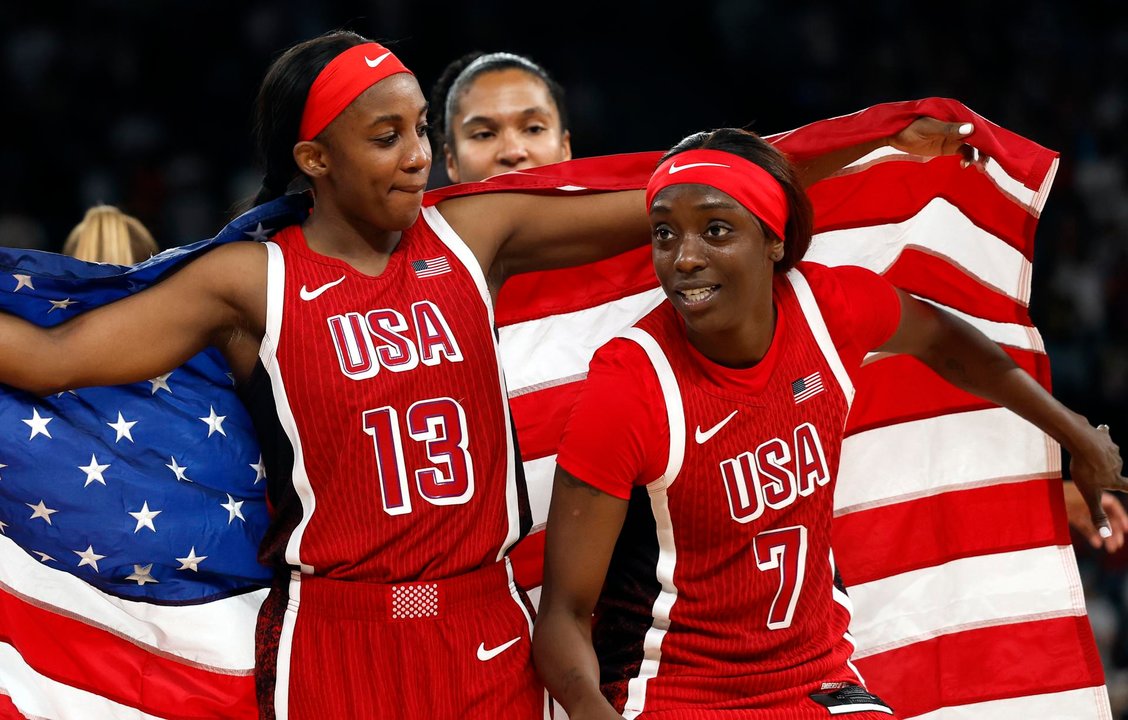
{"x": 108, "y": 235}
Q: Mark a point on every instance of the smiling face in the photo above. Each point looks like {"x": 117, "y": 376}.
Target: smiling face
{"x": 715, "y": 263}
{"x": 371, "y": 163}
{"x": 504, "y": 120}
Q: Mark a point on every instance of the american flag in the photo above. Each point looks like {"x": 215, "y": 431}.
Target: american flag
{"x": 959, "y": 610}
{"x": 130, "y": 519}
{"x": 806, "y": 388}
{"x": 431, "y": 266}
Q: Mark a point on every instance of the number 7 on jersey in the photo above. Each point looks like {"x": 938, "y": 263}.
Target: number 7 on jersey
{"x": 783, "y": 550}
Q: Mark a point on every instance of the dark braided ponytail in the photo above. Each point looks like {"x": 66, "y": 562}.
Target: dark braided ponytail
{"x": 281, "y": 101}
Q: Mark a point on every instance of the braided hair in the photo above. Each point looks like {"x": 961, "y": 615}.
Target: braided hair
{"x": 281, "y": 101}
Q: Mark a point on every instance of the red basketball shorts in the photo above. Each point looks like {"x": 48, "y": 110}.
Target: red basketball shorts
{"x": 454, "y": 648}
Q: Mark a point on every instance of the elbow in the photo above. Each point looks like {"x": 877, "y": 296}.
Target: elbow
{"x": 542, "y": 628}
{"x": 41, "y": 383}
{"x": 546, "y": 628}
{"x": 43, "y": 389}
{"x": 40, "y": 373}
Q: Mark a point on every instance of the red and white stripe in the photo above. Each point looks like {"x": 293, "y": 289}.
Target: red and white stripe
{"x": 85, "y": 655}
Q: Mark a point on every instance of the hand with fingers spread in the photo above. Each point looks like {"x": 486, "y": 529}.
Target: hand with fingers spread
{"x": 929, "y": 136}
{"x": 1078, "y": 514}
{"x": 1095, "y": 465}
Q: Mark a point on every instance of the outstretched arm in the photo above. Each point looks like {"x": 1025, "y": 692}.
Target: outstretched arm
{"x": 139, "y": 337}
{"x": 969, "y": 360}
{"x": 583, "y": 526}
{"x": 513, "y": 233}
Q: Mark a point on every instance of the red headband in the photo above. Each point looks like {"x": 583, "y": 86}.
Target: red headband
{"x": 748, "y": 183}
{"x": 342, "y": 81}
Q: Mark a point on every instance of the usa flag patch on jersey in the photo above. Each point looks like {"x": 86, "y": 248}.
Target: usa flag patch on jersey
{"x": 806, "y": 388}
{"x": 430, "y": 267}
{"x": 849, "y": 699}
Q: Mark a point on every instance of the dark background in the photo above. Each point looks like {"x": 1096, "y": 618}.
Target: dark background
{"x": 146, "y": 105}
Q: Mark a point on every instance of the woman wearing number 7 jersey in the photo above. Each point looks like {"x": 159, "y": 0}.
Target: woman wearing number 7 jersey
{"x": 362, "y": 342}
{"x": 693, "y": 499}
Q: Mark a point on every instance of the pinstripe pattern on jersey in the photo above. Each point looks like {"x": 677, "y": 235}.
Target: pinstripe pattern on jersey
{"x": 324, "y": 388}
{"x": 707, "y": 626}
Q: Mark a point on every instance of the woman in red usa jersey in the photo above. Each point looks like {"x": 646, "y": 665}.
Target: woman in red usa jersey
{"x": 362, "y": 342}
{"x": 692, "y": 505}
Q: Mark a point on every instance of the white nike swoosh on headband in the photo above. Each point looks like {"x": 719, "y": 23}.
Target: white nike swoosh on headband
{"x": 675, "y": 169}
{"x": 377, "y": 61}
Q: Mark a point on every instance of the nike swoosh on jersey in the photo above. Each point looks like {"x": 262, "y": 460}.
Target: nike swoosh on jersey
{"x": 311, "y": 294}
{"x": 377, "y": 61}
{"x": 486, "y": 655}
{"x": 704, "y": 437}
{"x": 675, "y": 169}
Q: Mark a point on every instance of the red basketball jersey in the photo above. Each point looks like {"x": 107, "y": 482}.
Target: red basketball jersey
{"x": 397, "y": 461}
{"x": 722, "y": 594}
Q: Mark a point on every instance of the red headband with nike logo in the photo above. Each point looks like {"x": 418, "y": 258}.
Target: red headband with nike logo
{"x": 342, "y": 81}
{"x": 749, "y": 184}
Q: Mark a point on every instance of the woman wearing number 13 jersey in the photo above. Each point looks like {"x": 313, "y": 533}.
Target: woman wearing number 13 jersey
{"x": 380, "y": 399}
{"x": 387, "y": 388}
{"x": 362, "y": 342}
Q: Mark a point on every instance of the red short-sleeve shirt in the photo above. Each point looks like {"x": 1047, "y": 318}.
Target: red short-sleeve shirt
{"x": 616, "y": 437}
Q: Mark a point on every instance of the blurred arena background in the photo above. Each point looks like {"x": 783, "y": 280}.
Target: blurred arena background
{"x": 147, "y": 105}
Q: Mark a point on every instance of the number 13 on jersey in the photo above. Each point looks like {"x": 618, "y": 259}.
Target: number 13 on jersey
{"x": 438, "y": 423}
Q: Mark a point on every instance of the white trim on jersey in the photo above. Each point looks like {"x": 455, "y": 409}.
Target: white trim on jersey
{"x": 275, "y": 294}
{"x": 457, "y": 246}
{"x": 660, "y": 507}
{"x": 275, "y": 286}
{"x": 663, "y": 605}
{"x": 286, "y": 648}
{"x": 675, "y": 414}
{"x": 844, "y": 600}
{"x": 815, "y": 321}
{"x": 516, "y": 594}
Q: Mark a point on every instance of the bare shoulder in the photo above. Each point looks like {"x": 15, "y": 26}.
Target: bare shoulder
{"x": 483, "y": 221}
{"x": 233, "y": 275}
{"x": 237, "y": 262}
{"x": 242, "y": 255}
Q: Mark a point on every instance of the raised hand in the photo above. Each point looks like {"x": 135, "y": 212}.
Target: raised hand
{"x": 1078, "y": 514}
{"x": 1095, "y": 467}
{"x": 929, "y": 136}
